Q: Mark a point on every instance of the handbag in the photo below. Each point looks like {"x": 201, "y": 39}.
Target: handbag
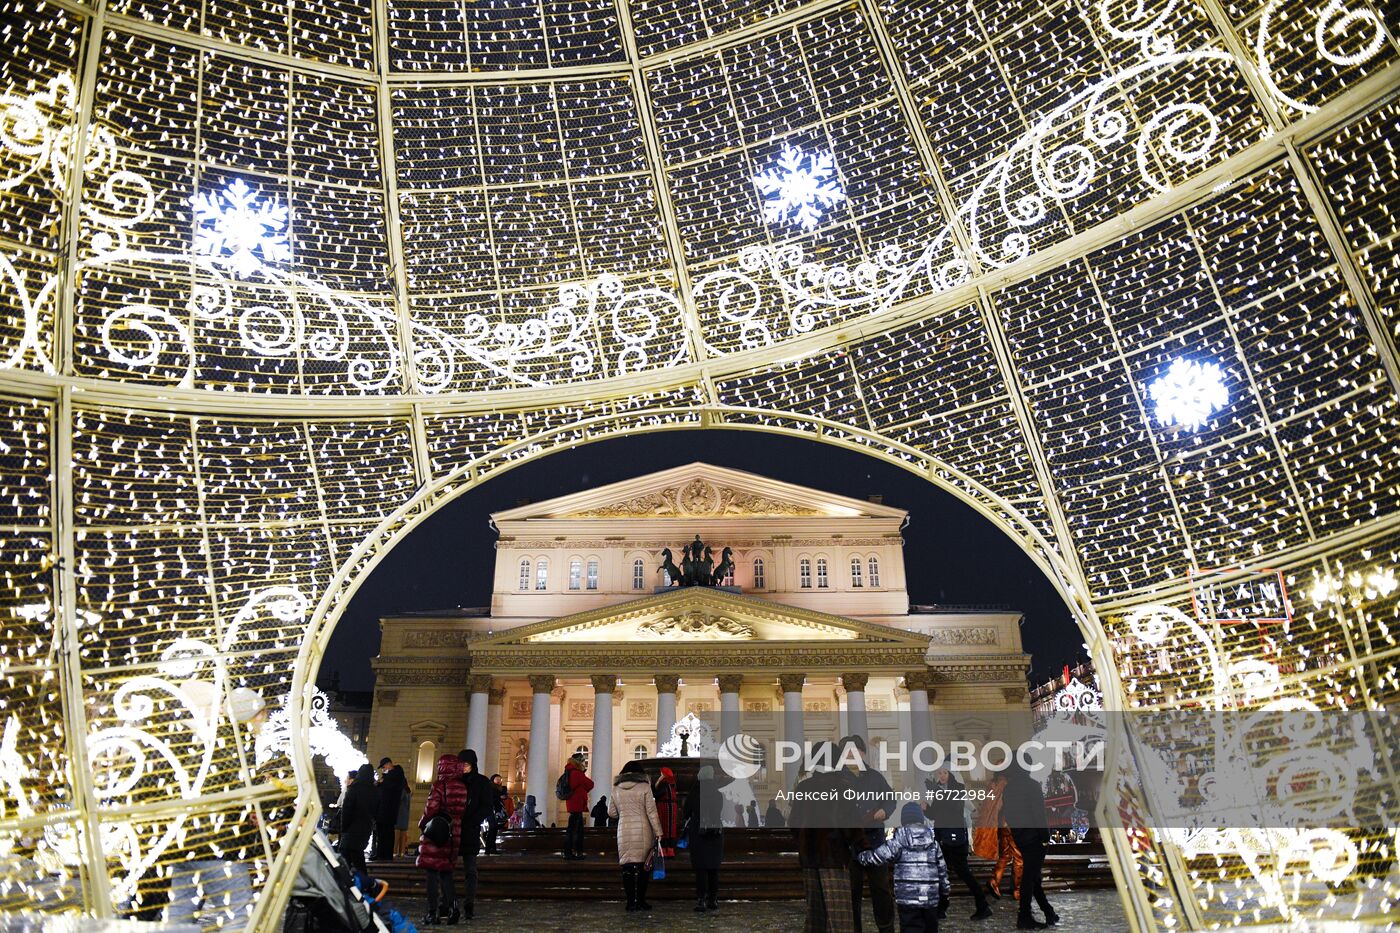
{"x": 655, "y": 863}
{"x": 438, "y": 830}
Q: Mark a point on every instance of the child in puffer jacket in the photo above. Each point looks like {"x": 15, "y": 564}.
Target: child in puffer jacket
{"x": 920, "y": 874}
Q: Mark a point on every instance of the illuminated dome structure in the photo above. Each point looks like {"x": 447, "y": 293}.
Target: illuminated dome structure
{"x": 278, "y": 280}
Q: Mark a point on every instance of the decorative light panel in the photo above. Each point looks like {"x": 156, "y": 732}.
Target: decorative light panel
{"x": 287, "y": 304}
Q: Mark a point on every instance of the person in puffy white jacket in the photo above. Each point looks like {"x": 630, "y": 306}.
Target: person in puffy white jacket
{"x": 920, "y": 874}
{"x": 638, "y": 829}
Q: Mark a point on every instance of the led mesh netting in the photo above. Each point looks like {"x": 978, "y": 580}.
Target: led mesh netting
{"x": 277, "y": 280}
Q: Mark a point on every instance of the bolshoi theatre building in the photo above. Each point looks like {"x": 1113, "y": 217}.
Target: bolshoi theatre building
{"x": 590, "y": 647}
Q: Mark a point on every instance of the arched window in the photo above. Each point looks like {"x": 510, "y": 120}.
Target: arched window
{"x": 524, "y": 574}
{"x": 759, "y": 580}
{"x": 575, "y": 573}
{"x": 427, "y": 761}
{"x": 857, "y": 577}
{"x": 804, "y": 573}
{"x": 541, "y": 574}
{"x": 592, "y": 574}
{"x": 822, "y": 582}
{"x": 639, "y": 574}
{"x": 582, "y": 752}
{"x": 874, "y": 563}
{"x": 640, "y": 752}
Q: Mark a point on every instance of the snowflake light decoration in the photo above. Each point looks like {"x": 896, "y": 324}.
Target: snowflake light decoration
{"x": 231, "y": 222}
{"x": 800, "y": 187}
{"x": 1189, "y": 393}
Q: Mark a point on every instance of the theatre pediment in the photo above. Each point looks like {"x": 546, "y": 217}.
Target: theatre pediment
{"x": 700, "y": 491}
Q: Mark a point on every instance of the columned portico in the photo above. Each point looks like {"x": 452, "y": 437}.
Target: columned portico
{"x": 729, "y": 685}
{"x": 856, "y": 723}
{"x": 478, "y": 702}
{"x": 600, "y": 763}
{"x": 666, "y": 687}
{"x": 538, "y": 777}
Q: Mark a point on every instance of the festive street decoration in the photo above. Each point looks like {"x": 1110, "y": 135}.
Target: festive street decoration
{"x": 799, "y": 188}
{"x": 1188, "y": 393}
{"x": 233, "y": 223}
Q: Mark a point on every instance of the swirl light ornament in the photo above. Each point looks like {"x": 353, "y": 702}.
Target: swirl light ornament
{"x": 277, "y": 283}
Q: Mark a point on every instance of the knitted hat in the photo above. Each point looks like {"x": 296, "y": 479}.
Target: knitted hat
{"x": 911, "y": 812}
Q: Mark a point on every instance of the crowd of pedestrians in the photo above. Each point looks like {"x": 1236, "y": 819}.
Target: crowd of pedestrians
{"x": 842, "y": 845}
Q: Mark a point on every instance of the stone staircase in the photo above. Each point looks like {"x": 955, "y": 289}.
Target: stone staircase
{"x": 759, "y": 864}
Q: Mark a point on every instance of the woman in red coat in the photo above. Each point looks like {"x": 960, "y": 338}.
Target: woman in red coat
{"x": 666, "y": 808}
{"x": 448, "y": 797}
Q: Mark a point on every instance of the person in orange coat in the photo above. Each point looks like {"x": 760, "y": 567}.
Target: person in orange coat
{"x": 992, "y": 840}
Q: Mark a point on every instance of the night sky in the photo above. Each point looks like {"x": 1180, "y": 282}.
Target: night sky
{"x": 952, "y": 554}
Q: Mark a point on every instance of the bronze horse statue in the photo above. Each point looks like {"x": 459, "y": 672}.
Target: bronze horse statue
{"x": 724, "y": 568}
{"x": 668, "y": 564}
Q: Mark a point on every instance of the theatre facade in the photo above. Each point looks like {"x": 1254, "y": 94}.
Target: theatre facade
{"x": 588, "y": 646}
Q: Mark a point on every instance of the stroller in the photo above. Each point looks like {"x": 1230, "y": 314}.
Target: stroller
{"x": 329, "y": 898}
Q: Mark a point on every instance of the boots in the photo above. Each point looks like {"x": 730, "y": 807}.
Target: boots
{"x": 710, "y": 902}
{"x": 700, "y": 905}
{"x": 1051, "y": 918}
{"x": 643, "y": 877}
{"x": 1028, "y": 922}
{"x": 629, "y": 886}
{"x": 450, "y": 916}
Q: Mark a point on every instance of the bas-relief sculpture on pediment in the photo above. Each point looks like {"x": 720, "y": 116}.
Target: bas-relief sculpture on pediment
{"x": 697, "y": 498}
{"x": 695, "y": 624}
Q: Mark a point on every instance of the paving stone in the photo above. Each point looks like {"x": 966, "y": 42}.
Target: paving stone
{"x": 1080, "y": 912}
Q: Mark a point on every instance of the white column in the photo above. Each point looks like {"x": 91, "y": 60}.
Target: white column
{"x": 793, "y": 729}
{"x": 538, "y": 775}
{"x": 601, "y": 755}
{"x": 479, "y": 697}
{"x": 856, "y": 723}
{"x": 492, "y": 762}
{"x": 920, "y": 723}
{"x": 666, "y": 687}
{"x": 729, "y": 704}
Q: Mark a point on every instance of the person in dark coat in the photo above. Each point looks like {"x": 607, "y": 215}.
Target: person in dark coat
{"x": 704, "y": 824}
{"x": 448, "y": 797}
{"x": 1024, "y": 811}
{"x": 773, "y": 817}
{"x": 950, "y": 826}
{"x": 500, "y": 813}
{"x": 751, "y": 815}
{"x": 829, "y": 837}
{"x": 481, "y": 803}
{"x": 600, "y": 813}
{"x": 357, "y": 817}
{"x": 577, "y": 806}
{"x": 391, "y": 789}
{"x": 877, "y": 802}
